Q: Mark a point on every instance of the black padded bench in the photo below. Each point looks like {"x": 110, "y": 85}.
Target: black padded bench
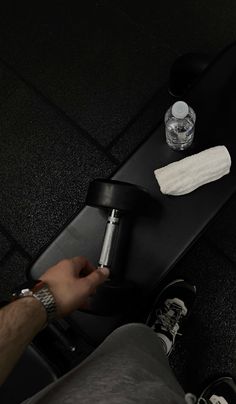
{"x": 162, "y": 236}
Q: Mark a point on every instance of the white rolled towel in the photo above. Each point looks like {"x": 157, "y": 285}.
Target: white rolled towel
{"x": 182, "y": 177}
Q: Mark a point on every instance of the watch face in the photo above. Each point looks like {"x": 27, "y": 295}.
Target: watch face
{"x": 26, "y": 288}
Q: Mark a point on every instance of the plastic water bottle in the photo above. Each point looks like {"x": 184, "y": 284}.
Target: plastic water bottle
{"x": 180, "y": 124}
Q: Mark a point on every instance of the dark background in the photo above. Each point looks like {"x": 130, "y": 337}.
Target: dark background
{"x": 82, "y": 85}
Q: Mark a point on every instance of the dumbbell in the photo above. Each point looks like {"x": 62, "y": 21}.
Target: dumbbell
{"x": 119, "y": 199}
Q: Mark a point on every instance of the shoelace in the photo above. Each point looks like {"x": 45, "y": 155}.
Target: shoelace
{"x": 169, "y": 317}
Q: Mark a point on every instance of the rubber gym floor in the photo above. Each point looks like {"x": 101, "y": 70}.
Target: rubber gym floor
{"x": 82, "y": 85}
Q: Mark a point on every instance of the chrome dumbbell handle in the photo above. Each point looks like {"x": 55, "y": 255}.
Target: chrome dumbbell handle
{"x": 109, "y": 239}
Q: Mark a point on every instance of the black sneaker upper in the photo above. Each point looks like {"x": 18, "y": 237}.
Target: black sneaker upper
{"x": 171, "y": 306}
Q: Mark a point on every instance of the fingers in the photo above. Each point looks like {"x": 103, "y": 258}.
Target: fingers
{"x": 72, "y": 282}
{"x": 78, "y": 262}
{"x": 82, "y": 266}
{"x": 96, "y": 278}
{"x": 89, "y": 268}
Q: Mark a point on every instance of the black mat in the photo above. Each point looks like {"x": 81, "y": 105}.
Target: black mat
{"x": 223, "y": 231}
{"x": 12, "y": 271}
{"x": 91, "y": 61}
{"x": 5, "y": 245}
{"x": 46, "y": 166}
{"x": 146, "y": 122}
{"x": 187, "y": 26}
{"x": 207, "y": 348}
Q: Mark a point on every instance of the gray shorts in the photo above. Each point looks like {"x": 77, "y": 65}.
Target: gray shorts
{"x": 128, "y": 367}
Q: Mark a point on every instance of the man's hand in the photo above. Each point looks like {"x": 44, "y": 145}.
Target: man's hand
{"x": 72, "y": 282}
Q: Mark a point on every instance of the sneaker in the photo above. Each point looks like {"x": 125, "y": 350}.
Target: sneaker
{"x": 221, "y": 391}
{"x": 171, "y": 307}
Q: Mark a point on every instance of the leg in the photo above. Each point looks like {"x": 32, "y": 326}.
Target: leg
{"x": 129, "y": 367}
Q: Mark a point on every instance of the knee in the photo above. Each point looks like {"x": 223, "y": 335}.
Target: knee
{"x": 129, "y": 331}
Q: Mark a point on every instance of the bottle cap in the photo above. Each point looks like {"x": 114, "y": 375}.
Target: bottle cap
{"x": 180, "y": 109}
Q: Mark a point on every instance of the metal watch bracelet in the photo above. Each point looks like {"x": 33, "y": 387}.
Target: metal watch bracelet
{"x": 45, "y": 296}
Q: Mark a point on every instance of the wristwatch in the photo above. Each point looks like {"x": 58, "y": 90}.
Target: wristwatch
{"x": 40, "y": 291}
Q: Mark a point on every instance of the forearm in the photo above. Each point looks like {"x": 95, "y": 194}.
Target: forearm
{"x": 71, "y": 283}
{"x": 20, "y": 321}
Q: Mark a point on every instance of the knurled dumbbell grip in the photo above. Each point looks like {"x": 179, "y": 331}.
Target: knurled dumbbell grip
{"x": 109, "y": 239}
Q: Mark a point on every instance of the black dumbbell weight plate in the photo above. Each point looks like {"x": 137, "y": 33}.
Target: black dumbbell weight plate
{"x": 116, "y": 195}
